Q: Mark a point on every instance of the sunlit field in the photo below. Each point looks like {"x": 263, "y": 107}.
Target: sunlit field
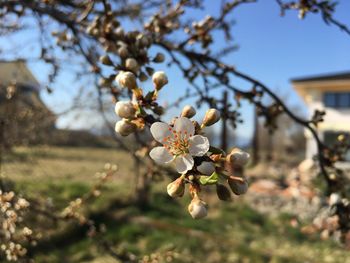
{"x": 164, "y": 232}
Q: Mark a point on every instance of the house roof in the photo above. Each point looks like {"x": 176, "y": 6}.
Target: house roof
{"x": 17, "y": 71}
{"x": 323, "y": 77}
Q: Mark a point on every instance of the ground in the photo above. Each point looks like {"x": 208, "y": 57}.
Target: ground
{"x": 233, "y": 232}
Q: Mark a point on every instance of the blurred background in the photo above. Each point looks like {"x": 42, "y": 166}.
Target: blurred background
{"x": 57, "y": 144}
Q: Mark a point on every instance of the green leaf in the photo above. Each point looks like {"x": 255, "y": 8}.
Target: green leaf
{"x": 212, "y": 179}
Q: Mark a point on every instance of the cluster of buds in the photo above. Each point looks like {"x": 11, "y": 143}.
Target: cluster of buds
{"x": 13, "y": 251}
{"x": 271, "y": 114}
{"x": 161, "y": 256}
{"x": 200, "y": 31}
{"x": 199, "y": 163}
{"x": 131, "y": 47}
{"x": 307, "y": 6}
{"x": 132, "y": 113}
{"x": 304, "y": 7}
{"x": 184, "y": 144}
{"x": 162, "y": 24}
{"x": 73, "y": 211}
{"x": 75, "y": 207}
{"x": 11, "y": 216}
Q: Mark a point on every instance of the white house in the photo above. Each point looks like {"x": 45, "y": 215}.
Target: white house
{"x": 330, "y": 92}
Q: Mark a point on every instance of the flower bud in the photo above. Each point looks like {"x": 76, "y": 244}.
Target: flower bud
{"x": 143, "y": 40}
{"x": 334, "y": 199}
{"x": 237, "y": 157}
{"x": 206, "y": 168}
{"x": 103, "y": 82}
{"x": 197, "y": 208}
{"x": 125, "y": 127}
{"x": 223, "y": 193}
{"x": 143, "y": 76}
{"x": 159, "y": 110}
{"x": 188, "y": 111}
{"x": 126, "y": 79}
{"x": 159, "y": 79}
{"x": 95, "y": 31}
{"x": 131, "y": 64}
{"x": 89, "y": 30}
{"x": 238, "y": 187}
{"x": 159, "y": 58}
{"x": 110, "y": 48}
{"x": 119, "y": 32}
{"x": 123, "y": 52}
{"x": 125, "y": 109}
{"x": 150, "y": 71}
{"x": 176, "y": 188}
{"x": 211, "y": 116}
{"x": 106, "y": 60}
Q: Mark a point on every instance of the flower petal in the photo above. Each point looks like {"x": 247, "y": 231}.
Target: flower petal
{"x": 161, "y": 155}
{"x": 184, "y": 163}
{"x": 184, "y": 125}
{"x": 160, "y": 131}
{"x": 199, "y": 145}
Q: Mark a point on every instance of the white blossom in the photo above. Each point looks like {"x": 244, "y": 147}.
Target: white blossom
{"x": 179, "y": 144}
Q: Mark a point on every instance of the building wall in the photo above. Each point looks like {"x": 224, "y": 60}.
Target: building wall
{"x": 337, "y": 120}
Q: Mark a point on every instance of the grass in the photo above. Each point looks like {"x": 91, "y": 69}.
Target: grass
{"x": 233, "y": 232}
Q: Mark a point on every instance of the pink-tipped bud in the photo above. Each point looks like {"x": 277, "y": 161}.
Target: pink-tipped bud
{"x": 159, "y": 79}
{"x": 238, "y": 187}
{"x": 126, "y": 79}
{"x": 125, "y": 109}
{"x": 176, "y": 188}
{"x": 211, "y": 116}
{"x": 188, "y": 111}
{"x": 197, "y": 208}
{"x": 125, "y": 127}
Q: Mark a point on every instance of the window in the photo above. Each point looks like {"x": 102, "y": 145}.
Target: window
{"x": 339, "y": 100}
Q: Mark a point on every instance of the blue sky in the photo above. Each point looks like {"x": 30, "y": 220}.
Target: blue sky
{"x": 272, "y": 48}
{"x": 275, "y": 49}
